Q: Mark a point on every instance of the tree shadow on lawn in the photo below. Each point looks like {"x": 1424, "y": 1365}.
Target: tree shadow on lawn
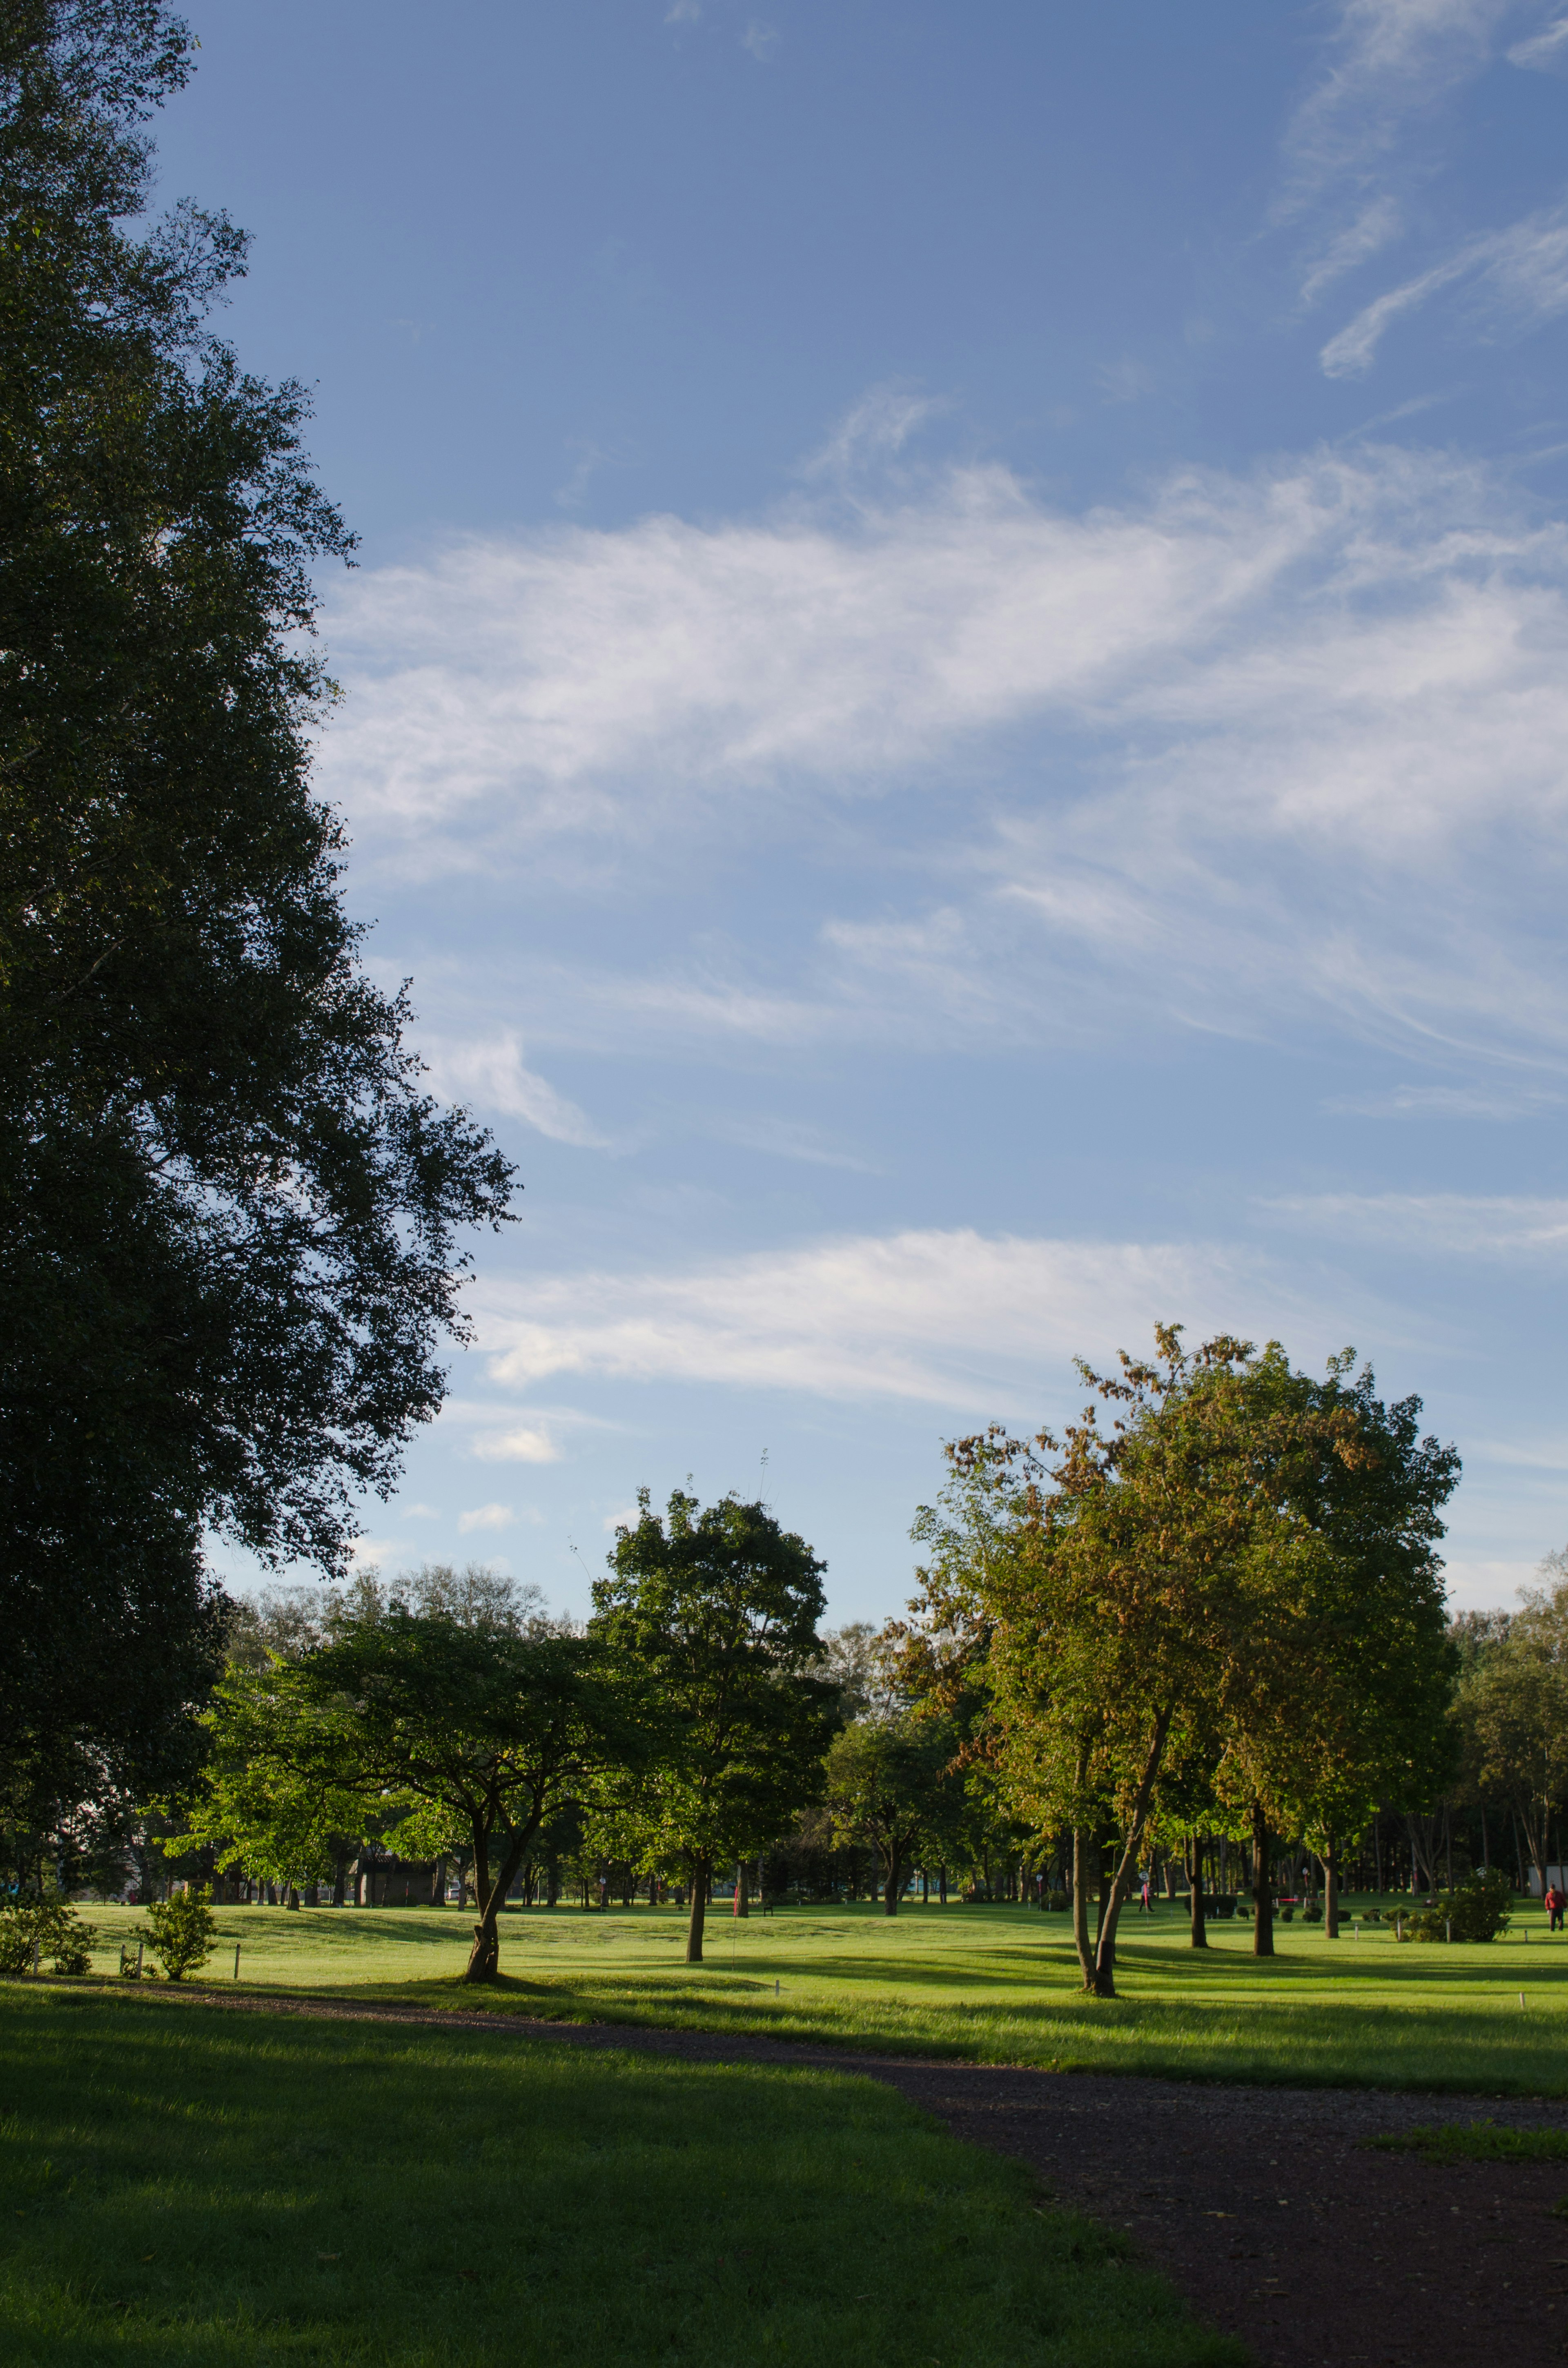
{"x": 1260, "y": 2042}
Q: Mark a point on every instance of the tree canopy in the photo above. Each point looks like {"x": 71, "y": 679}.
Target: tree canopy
{"x": 229, "y": 1212}
{"x": 718, "y": 1607}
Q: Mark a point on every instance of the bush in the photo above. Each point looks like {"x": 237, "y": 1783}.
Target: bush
{"x": 1476, "y": 1909}
{"x": 44, "y": 1928}
{"x": 1312, "y": 1913}
{"x": 182, "y": 1932}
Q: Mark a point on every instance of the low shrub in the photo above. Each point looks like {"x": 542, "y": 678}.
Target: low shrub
{"x": 1312, "y": 1912}
{"x": 33, "y": 1930}
{"x": 182, "y": 1932}
{"x": 1476, "y": 1909}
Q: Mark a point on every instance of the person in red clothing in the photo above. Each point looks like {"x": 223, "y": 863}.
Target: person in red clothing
{"x": 1555, "y": 1904}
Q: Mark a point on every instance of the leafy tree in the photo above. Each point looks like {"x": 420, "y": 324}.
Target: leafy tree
{"x": 1346, "y": 1705}
{"x": 489, "y": 1729}
{"x": 890, "y": 1785}
{"x": 719, "y": 1609}
{"x": 1513, "y": 1702}
{"x": 228, "y": 1213}
{"x": 1108, "y": 1594}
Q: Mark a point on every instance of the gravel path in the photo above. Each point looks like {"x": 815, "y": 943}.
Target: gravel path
{"x": 1262, "y": 2204}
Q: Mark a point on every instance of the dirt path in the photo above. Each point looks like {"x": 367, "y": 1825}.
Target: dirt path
{"x": 1262, "y": 2204}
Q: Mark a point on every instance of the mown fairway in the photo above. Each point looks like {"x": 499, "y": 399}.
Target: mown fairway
{"x": 995, "y": 1984}
{"x": 188, "y": 2188}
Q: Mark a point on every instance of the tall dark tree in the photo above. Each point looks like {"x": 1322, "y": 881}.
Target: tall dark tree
{"x": 228, "y": 1213}
{"x": 719, "y": 1610}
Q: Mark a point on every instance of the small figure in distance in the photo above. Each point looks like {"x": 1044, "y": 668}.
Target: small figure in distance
{"x": 1555, "y": 1903}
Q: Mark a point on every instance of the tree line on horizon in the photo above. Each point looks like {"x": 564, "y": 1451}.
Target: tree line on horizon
{"x": 1212, "y": 1621}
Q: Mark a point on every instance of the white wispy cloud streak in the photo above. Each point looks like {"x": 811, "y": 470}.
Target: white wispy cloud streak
{"x": 1389, "y": 60}
{"x": 1445, "y": 1224}
{"x": 1517, "y": 275}
{"x": 488, "y": 1072}
{"x": 952, "y": 1318}
{"x": 1300, "y": 736}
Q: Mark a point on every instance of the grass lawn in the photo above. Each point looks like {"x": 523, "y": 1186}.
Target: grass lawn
{"x": 190, "y": 2189}
{"x": 994, "y": 1984}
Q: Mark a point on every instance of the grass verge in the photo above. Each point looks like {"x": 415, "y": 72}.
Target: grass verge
{"x": 1476, "y": 2142}
{"x": 203, "y": 2189}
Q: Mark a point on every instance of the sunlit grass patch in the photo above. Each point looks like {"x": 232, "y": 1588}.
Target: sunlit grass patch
{"x": 991, "y": 1985}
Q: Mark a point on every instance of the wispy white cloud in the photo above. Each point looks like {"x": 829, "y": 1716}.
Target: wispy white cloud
{"x": 875, "y": 428}
{"x": 1442, "y": 1224}
{"x": 948, "y": 1318}
{"x": 1546, "y": 51}
{"x": 1298, "y": 738}
{"x": 489, "y": 1073}
{"x": 779, "y": 1138}
{"x": 1375, "y": 226}
{"x": 761, "y": 39}
{"x": 1517, "y": 276}
{"x": 485, "y": 1517}
{"x": 1388, "y": 60}
{"x": 522, "y": 1443}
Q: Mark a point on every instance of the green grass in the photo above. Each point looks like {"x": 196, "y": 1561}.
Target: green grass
{"x": 1476, "y": 2142}
{"x": 995, "y": 1985}
{"x": 188, "y": 2188}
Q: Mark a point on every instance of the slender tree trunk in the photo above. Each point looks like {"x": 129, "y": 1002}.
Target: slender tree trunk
{"x": 1082, "y": 1844}
{"x": 1330, "y": 1888}
{"x": 1195, "y": 1894}
{"x": 699, "y": 1872}
{"x": 941, "y": 1886}
{"x": 892, "y": 1884}
{"x": 1378, "y": 1850}
{"x": 741, "y": 1903}
{"x": 1262, "y": 1897}
{"x": 1105, "y": 1949}
{"x": 1485, "y": 1849}
{"x": 1449, "y": 1846}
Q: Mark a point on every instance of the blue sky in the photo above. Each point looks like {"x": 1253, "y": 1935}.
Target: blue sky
{"x": 956, "y": 702}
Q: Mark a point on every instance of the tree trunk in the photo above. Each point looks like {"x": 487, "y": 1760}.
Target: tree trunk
{"x": 1330, "y": 1887}
{"x": 741, "y": 1903}
{"x": 1199, "y": 1936}
{"x": 484, "y": 1957}
{"x": 1082, "y": 1844}
{"x": 1105, "y": 1947}
{"x": 699, "y": 1871}
{"x": 1262, "y": 1897}
{"x": 941, "y": 1886}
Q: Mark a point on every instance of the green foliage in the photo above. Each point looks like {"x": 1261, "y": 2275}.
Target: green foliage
{"x": 488, "y": 1730}
{"x": 48, "y": 1929}
{"x": 1476, "y": 1909}
{"x": 1223, "y": 1611}
{"x": 1475, "y": 2141}
{"x": 890, "y": 1785}
{"x": 227, "y": 1253}
{"x": 181, "y": 1931}
{"x": 718, "y": 1613}
{"x": 1512, "y": 1708}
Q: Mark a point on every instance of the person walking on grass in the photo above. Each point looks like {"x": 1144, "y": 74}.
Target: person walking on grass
{"x": 1555, "y": 1903}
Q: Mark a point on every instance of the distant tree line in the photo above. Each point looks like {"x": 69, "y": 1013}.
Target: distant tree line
{"x": 1200, "y": 1644}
